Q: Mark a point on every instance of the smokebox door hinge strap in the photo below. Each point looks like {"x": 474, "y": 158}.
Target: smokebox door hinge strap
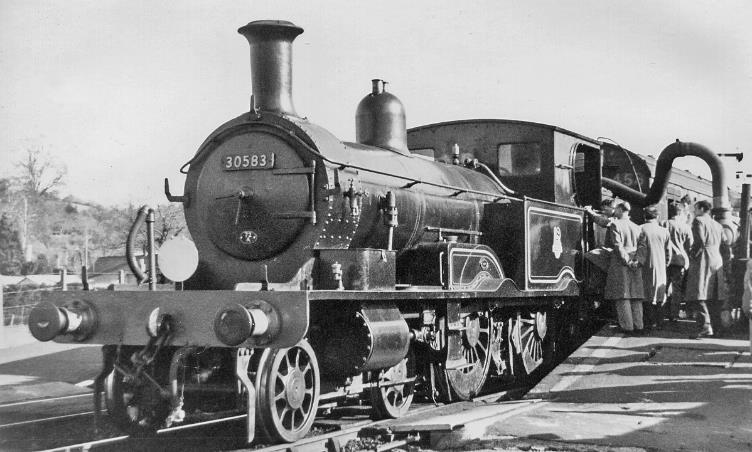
{"x": 310, "y": 172}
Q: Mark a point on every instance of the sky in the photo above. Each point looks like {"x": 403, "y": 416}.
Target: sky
{"x": 124, "y": 92}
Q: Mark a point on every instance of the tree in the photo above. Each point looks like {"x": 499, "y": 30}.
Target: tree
{"x": 40, "y": 174}
{"x": 11, "y": 254}
{"x": 168, "y": 223}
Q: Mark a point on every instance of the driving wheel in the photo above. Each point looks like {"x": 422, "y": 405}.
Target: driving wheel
{"x": 527, "y": 334}
{"x": 467, "y": 372}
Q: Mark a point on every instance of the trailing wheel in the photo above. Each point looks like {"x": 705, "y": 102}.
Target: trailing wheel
{"x": 469, "y": 356}
{"x": 288, "y": 392}
{"x": 391, "y": 400}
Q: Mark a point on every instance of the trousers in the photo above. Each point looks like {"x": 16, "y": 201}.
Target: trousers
{"x": 629, "y": 313}
{"x": 707, "y": 313}
{"x": 675, "y": 291}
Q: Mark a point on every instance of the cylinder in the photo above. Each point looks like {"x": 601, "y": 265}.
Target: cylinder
{"x": 271, "y": 64}
{"x": 375, "y": 337}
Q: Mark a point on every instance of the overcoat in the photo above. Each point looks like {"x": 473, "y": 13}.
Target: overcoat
{"x": 653, "y": 252}
{"x": 622, "y": 281}
{"x": 680, "y": 241}
{"x": 705, "y": 278}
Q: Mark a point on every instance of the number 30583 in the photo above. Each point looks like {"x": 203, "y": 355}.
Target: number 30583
{"x": 235, "y": 162}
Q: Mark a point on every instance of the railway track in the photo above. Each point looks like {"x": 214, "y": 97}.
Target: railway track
{"x": 330, "y": 432}
{"x": 74, "y": 429}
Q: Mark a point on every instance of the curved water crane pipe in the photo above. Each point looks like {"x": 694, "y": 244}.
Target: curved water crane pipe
{"x": 721, "y": 205}
{"x": 145, "y": 213}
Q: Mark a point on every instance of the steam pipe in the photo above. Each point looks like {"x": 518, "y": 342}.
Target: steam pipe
{"x": 130, "y": 244}
{"x": 721, "y": 205}
{"x": 152, "y": 250}
{"x": 271, "y": 64}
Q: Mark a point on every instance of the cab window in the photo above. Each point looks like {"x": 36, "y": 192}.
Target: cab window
{"x": 519, "y": 159}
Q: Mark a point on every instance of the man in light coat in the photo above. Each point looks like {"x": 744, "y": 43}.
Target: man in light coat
{"x": 624, "y": 281}
{"x": 706, "y": 283}
{"x": 747, "y": 299}
{"x": 680, "y": 238}
{"x": 653, "y": 252}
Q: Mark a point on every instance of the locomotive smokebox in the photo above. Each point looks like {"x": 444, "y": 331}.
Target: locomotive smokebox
{"x": 271, "y": 64}
{"x": 380, "y": 120}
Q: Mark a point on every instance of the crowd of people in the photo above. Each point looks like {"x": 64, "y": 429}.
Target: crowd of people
{"x": 652, "y": 269}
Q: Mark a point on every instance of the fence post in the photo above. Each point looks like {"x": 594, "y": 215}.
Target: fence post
{"x": 63, "y": 278}
{"x": 121, "y": 277}
{"x": 2, "y": 311}
{"x": 85, "y": 277}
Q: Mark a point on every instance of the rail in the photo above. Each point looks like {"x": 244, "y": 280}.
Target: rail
{"x": 331, "y": 441}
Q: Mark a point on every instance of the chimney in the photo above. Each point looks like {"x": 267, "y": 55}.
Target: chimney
{"x": 271, "y": 64}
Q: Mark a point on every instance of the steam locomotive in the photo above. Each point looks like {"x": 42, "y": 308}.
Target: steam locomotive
{"x": 422, "y": 260}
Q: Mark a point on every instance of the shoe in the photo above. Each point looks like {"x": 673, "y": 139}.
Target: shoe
{"x": 640, "y": 332}
{"x": 702, "y": 334}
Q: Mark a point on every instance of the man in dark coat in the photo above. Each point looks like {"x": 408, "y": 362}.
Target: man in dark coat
{"x": 624, "y": 280}
{"x": 680, "y": 237}
{"x": 706, "y": 284}
{"x": 602, "y": 220}
{"x": 653, "y": 252}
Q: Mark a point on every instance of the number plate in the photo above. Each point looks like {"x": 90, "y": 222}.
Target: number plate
{"x": 250, "y": 161}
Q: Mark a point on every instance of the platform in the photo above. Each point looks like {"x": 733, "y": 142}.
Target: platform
{"x": 30, "y": 369}
{"x": 660, "y": 391}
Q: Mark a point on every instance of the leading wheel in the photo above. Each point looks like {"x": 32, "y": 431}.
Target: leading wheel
{"x": 134, "y": 403}
{"x": 288, "y": 392}
{"x": 467, "y": 374}
{"x": 390, "y": 400}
